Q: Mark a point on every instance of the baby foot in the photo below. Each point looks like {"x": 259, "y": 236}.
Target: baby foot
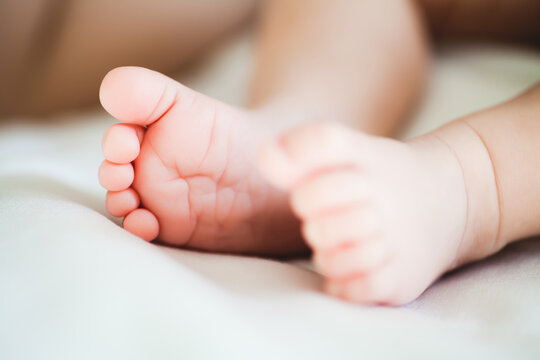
{"x": 181, "y": 169}
{"x": 384, "y": 218}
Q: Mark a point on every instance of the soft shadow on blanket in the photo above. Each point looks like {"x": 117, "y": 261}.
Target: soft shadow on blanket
{"x": 249, "y": 275}
{"x": 32, "y": 186}
{"x": 265, "y": 276}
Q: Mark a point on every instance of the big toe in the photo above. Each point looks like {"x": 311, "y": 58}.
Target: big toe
{"x": 137, "y": 95}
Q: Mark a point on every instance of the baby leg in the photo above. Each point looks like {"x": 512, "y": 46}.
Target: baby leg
{"x": 54, "y": 53}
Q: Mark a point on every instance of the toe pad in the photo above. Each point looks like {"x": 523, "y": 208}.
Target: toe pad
{"x": 142, "y": 223}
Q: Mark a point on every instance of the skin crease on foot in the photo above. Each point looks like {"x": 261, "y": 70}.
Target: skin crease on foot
{"x": 384, "y": 218}
{"x": 358, "y": 197}
{"x": 181, "y": 168}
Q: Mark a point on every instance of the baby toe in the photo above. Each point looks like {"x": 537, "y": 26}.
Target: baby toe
{"x": 121, "y": 143}
{"x": 375, "y": 287}
{"x": 142, "y": 223}
{"x": 340, "y": 228}
{"x": 115, "y": 177}
{"x": 120, "y": 203}
{"x": 329, "y": 192}
{"x": 301, "y": 152}
{"x": 352, "y": 260}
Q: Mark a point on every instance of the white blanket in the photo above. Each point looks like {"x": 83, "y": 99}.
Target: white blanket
{"x": 74, "y": 285}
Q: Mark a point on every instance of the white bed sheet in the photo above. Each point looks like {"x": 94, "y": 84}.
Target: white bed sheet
{"x": 74, "y": 285}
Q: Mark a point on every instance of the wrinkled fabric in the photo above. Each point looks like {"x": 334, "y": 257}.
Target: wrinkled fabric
{"x": 75, "y": 285}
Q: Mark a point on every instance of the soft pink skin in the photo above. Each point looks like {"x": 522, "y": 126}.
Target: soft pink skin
{"x": 121, "y": 143}
{"x": 196, "y": 175}
{"x": 121, "y": 203}
{"x": 384, "y": 218}
{"x": 194, "y": 169}
{"x": 115, "y": 177}
{"x": 358, "y": 198}
{"x": 142, "y": 223}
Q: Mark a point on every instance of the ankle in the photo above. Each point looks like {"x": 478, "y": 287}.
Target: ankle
{"x": 481, "y": 233}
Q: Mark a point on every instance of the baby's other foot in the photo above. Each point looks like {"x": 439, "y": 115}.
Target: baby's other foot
{"x": 180, "y": 168}
{"x": 384, "y": 218}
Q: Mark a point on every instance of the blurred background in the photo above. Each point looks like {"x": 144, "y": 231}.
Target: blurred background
{"x": 55, "y": 52}
{"x": 74, "y": 285}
